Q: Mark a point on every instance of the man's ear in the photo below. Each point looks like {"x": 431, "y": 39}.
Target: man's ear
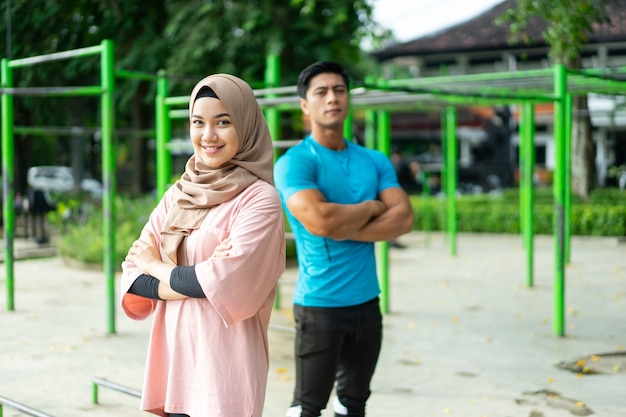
{"x": 304, "y": 106}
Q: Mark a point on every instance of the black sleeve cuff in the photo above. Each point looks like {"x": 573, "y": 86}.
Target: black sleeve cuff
{"x": 145, "y": 286}
{"x": 184, "y": 281}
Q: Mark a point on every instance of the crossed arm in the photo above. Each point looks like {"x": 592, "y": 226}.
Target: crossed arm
{"x": 368, "y": 221}
{"x": 145, "y": 254}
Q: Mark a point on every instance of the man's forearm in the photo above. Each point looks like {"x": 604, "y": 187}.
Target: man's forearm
{"x": 388, "y": 226}
{"x": 339, "y": 221}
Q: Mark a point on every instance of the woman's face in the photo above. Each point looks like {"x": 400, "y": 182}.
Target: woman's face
{"x": 213, "y": 135}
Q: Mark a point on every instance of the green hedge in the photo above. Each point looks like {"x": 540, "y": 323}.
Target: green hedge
{"x": 81, "y": 239}
{"x": 603, "y": 215}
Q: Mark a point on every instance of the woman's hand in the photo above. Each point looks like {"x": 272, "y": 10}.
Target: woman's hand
{"x": 222, "y": 249}
{"x": 144, "y": 254}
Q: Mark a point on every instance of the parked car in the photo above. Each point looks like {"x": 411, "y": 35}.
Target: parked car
{"x": 53, "y": 178}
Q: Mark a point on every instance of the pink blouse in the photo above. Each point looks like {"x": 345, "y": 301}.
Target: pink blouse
{"x": 209, "y": 356}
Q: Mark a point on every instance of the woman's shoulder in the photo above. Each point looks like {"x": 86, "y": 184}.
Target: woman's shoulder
{"x": 260, "y": 189}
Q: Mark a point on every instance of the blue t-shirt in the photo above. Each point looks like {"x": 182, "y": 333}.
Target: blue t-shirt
{"x": 333, "y": 273}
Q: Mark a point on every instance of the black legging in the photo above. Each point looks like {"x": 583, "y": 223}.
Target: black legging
{"x": 177, "y": 415}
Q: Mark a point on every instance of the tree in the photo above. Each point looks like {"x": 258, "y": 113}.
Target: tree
{"x": 60, "y": 26}
{"x": 236, "y": 36}
{"x": 568, "y": 26}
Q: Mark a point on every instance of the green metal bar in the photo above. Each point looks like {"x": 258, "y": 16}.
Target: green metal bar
{"x": 427, "y": 221}
{"x": 455, "y": 79}
{"x": 272, "y": 115}
{"x": 348, "y": 131}
{"x": 443, "y": 175}
{"x": 370, "y": 129}
{"x": 479, "y": 94}
{"x": 136, "y": 75}
{"x": 177, "y": 101}
{"x": 8, "y": 192}
{"x": 107, "y": 75}
{"x": 180, "y": 114}
{"x": 94, "y": 393}
{"x": 527, "y": 163}
{"x": 567, "y": 179}
{"x": 347, "y": 126}
{"x": 560, "y": 90}
{"x": 163, "y": 160}
{"x": 75, "y": 53}
{"x": 88, "y": 90}
{"x": 384, "y": 128}
{"x": 75, "y": 131}
{"x": 451, "y": 177}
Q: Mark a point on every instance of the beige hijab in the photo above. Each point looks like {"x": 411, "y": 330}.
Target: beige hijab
{"x": 201, "y": 187}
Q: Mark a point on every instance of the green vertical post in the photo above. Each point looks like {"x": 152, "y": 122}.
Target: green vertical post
{"x": 8, "y": 182}
{"x": 527, "y": 164}
{"x": 443, "y": 174}
{"x": 567, "y": 179}
{"x": 370, "y": 129}
{"x": 272, "y": 80}
{"x": 384, "y": 139}
{"x": 272, "y": 117}
{"x": 107, "y": 68}
{"x": 163, "y": 157}
{"x": 427, "y": 221}
{"x": 451, "y": 176}
{"x": 560, "y": 90}
{"x": 348, "y": 131}
{"x": 369, "y": 116}
{"x": 94, "y": 393}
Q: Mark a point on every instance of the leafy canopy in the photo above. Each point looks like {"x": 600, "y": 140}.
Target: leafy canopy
{"x": 568, "y": 24}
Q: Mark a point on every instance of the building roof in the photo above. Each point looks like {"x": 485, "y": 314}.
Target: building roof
{"x": 482, "y": 34}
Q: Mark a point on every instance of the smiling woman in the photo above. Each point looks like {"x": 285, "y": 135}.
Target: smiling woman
{"x": 207, "y": 263}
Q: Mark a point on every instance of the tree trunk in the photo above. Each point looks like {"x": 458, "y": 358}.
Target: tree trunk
{"x": 583, "y": 157}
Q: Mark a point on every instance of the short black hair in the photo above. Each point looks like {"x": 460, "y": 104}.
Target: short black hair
{"x": 319, "y": 67}
{"x": 205, "y": 91}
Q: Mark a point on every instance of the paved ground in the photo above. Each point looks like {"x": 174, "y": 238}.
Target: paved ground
{"x": 465, "y": 336}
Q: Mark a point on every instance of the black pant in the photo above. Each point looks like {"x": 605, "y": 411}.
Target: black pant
{"x": 336, "y": 345}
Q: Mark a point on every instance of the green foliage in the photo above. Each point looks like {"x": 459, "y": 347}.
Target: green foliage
{"x": 569, "y": 22}
{"x": 81, "y": 228}
{"x": 83, "y": 240}
{"x": 236, "y": 36}
{"x": 603, "y": 215}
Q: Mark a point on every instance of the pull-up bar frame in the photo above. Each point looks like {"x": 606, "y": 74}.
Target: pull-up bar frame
{"x": 105, "y": 91}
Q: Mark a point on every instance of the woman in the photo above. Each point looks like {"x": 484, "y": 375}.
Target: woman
{"x": 208, "y": 261}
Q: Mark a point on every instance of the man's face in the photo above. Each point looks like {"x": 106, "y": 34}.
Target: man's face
{"x": 327, "y": 100}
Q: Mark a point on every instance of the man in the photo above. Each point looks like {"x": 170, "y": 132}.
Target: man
{"x": 339, "y": 198}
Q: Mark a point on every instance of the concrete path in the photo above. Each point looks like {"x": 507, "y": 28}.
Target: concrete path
{"x": 464, "y": 337}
